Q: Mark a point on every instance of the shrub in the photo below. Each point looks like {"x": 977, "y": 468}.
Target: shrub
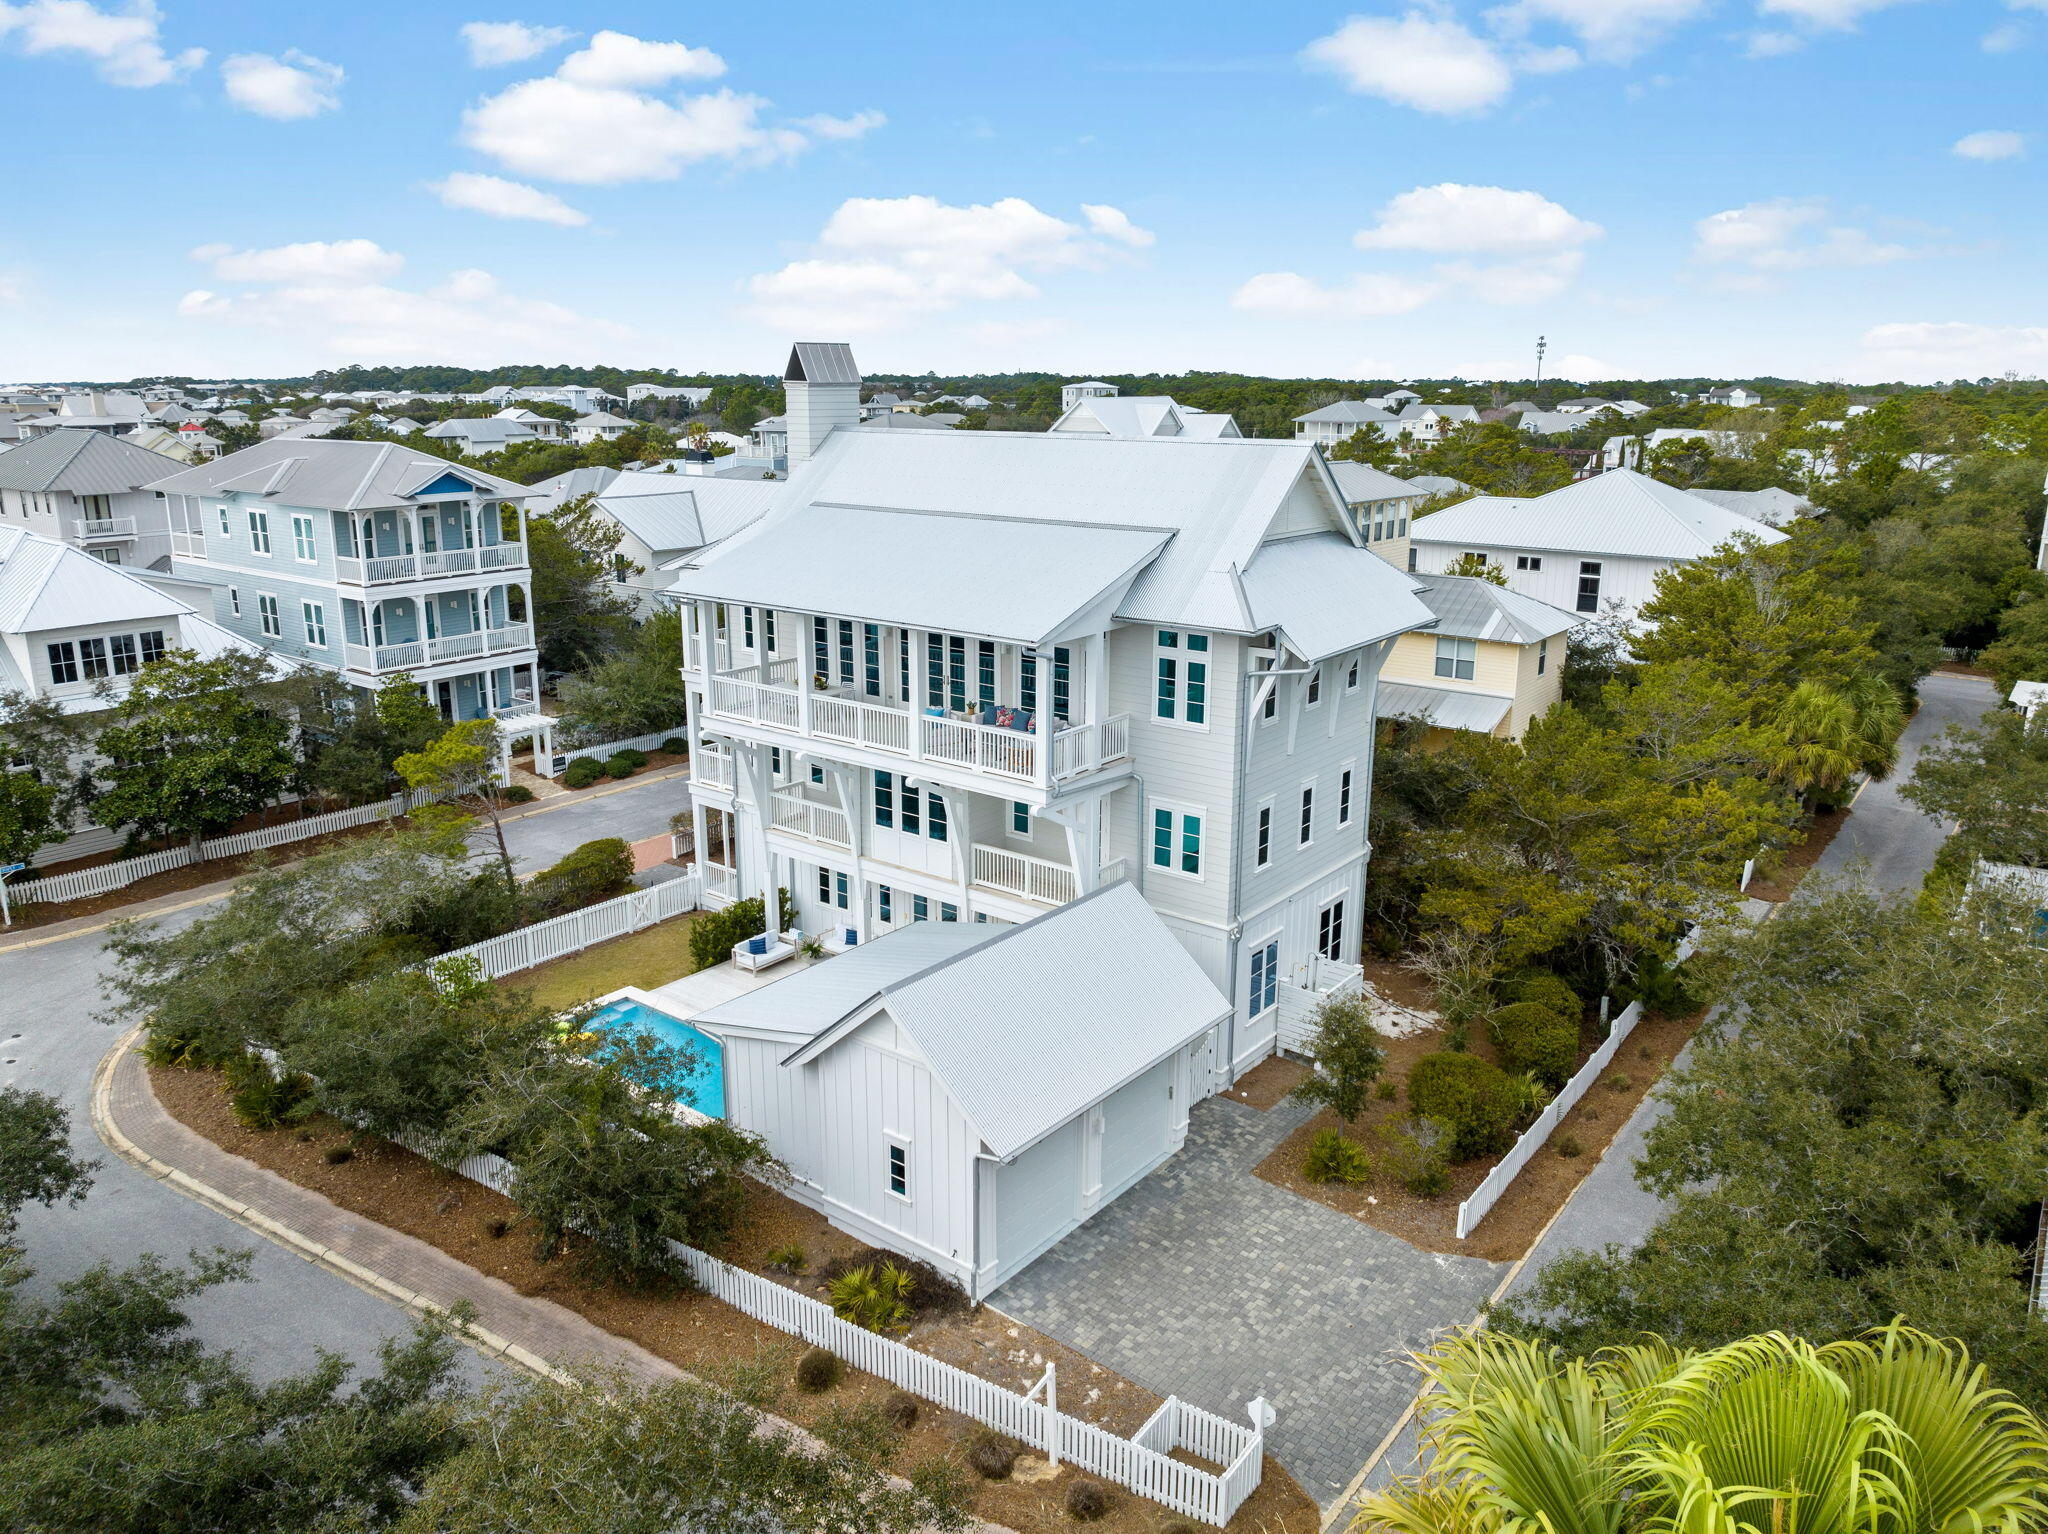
{"x": 900, "y": 1410}
{"x": 620, "y": 764}
{"x": 713, "y": 933}
{"x": 1476, "y": 1101}
{"x": 1620, "y": 1081}
{"x": 595, "y": 871}
{"x": 1087, "y": 1500}
{"x": 1332, "y": 1158}
{"x": 516, "y": 793}
{"x": 1531, "y": 1037}
{"x": 1414, "y": 1151}
{"x": 633, "y": 755}
{"x": 1349, "y": 1055}
{"x": 991, "y": 1457}
{"x": 789, "y": 1259}
{"x": 1387, "y": 1091}
{"x": 263, "y": 1099}
{"x": 818, "y": 1370}
{"x": 336, "y": 1155}
{"x": 1568, "y": 1146}
{"x": 876, "y": 1299}
{"x": 182, "y": 1045}
{"x": 859, "y": 1432}
{"x": 582, "y": 772}
{"x": 675, "y": 745}
{"x": 931, "y": 1292}
{"x": 1545, "y": 990}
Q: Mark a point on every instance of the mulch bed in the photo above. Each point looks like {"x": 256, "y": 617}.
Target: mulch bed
{"x": 656, "y": 762}
{"x": 697, "y": 1333}
{"x": 1778, "y": 884}
{"x": 1534, "y": 1197}
{"x": 1267, "y": 1084}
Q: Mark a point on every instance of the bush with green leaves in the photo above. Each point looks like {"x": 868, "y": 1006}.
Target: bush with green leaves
{"x": 582, "y": 772}
{"x": 597, "y": 870}
{"x": 516, "y": 793}
{"x": 818, "y": 1370}
{"x": 713, "y": 933}
{"x": 1534, "y": 1039}
{"x": 876, "y": 1299}
{"x": 1349, "y": 1054}
{"x": 1415, "y": 1151}
{"x": 1545, "y": 989}
{"x": 1478, "y": 1102}
{"x": 620, "y": 764}
{"x": 675, "y": 745}
{"x": 1333, "y": 1158}
{"x": 263, "y": 1097}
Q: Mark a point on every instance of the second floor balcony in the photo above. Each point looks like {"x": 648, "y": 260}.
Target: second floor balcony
{"x": 409, "y": 654}
{"x": 103, "y": 529}
{"x": 391, "y": 569}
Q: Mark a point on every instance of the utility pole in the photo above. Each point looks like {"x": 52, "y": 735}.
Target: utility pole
{"x": 1541, "y": 345}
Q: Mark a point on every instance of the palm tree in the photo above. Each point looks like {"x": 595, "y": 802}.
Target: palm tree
{"x": 1895, "y": 1433}
{"x": 1826, "y": 735}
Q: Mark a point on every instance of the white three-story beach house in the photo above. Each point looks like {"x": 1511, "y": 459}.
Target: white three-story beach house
{"x": 971, "y": 676}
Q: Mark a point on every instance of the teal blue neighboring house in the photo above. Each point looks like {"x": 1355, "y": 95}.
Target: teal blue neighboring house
{"x": 369, "y": 559}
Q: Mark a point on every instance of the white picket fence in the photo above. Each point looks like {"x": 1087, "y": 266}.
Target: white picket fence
{"x": 511, "y": 952}
{"x": 1142, "y": 1463}
{"x": 648, "y": 742}
{"x": 1487, "y": 1194}
{"x": 84, "y": 882}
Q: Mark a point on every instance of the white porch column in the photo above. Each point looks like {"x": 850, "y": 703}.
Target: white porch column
{"x": 752, "y": 800}
{"x": 1096, "y": 683}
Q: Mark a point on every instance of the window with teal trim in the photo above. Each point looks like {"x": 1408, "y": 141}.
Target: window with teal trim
{"x": 1191, "y": 844}
{"x": 1162, "y": 838}
{"x": 1265, "y": 977}
{"x": 934, "y": 672}
{"x": 1062, "y": 683}
{"x": 821, "y": 648}
{"x": 920, "y": 908}
{"x": 885, "y": 798}
{"x": 871, "y": 659}
{"x": 1020, "y": 817}
{"x": 1027, "y": 680}
{"x": 948, "y": 912}
{"x": 935, "y": 817}
{"x": 910, "y": 808}
{"x": 956, "y": 671}
{"x": 846, "y": 650}
{"x": 985, "y": 671}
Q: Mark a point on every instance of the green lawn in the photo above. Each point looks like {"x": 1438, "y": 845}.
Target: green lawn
{"x": 646, "y": 959}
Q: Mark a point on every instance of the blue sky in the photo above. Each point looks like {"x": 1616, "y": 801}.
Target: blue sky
{"x": 1820, "y": 188}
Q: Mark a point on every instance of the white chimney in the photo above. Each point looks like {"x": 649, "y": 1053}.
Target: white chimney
{"x": 821, "y": 390}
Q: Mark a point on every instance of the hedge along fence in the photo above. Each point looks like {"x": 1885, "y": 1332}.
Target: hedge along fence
{"x": 85, "y": 882}
{"x": 633, "y": 911}
{"x": 652, "y": 742}
{"x": 1488, "y": 1193}
{"x": 1142, "y": 1463}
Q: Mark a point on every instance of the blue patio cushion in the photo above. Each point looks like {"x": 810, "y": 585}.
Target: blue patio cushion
{"x": 757, "y": 944}
{"x": 852, "y": 936}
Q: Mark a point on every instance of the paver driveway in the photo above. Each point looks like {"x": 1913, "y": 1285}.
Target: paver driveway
{"x": 1206, "y": 1283}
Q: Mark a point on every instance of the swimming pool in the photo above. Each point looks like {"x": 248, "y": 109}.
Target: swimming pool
{"x": 705, "y": 1089}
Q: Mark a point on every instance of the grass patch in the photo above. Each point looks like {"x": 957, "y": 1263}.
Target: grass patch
{"x": 646, "y": 959}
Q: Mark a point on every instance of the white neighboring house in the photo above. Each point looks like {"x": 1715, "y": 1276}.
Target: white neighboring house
{"x": 76, "y": 630}
{"x": 1593, "y": 546}
{"x": 1553, "y": 423}
{"x": 109, "y": 411}
{"x": 88, "y": 489}
{"x": 694, "y": 397}
{"x": 2030, "y": 698}
{"x": 1735, "y": 396}
{"x": 1143, "y": 415}
{"x": 1427, "y": 424}
{"x": 1333, "y": 423}
{"x": 546, "y": 427}
{"x": 1772, "y": 507}
{"x": 547, "y": 496}
{"x": 481, "y": 434}
{"x": 599, "y": 426}
{"x": 1091, "y": 388}
{"x": 664, "y": 517}
{"x": 925, "y": 1097}
{"x": 970, "y": 676}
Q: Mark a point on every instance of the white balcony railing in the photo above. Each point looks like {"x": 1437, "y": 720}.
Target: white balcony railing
{"x": 92, "y": 528}
{"x": 711, "y": 769}
{"x": 455, "y": 646}
{"x": 513, "y": 636}
{"x": 383, "y": 657}
{"x": 448, "y": 562}
{"x": 1115, "y": 869}
{"x": 722, "y": 882}
{"x": 502, "y": 556}
{"x": 389, "y": 569}
{"x": 1017, "y": 873}
{"x": 814, "y": 822}
{"x": 1086, "y": 747}
{"x": 518, "y": 706}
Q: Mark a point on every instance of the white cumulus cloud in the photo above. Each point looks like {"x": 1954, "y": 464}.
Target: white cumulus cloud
{"x": 284, "y": 89}
{"x": 499, "y": 198}
{"x": 336, "y": 300}
{"x": 1369, "y": 295}
{"x": 617, "y": 102}
{"x": 1612, "y": 30}
{"x": 882, "y": 261}
{"x": 495, "y": 43}
{"x": 1761, "y": 240}
{"x": 1423, "y": 60}
{"x": 125, "y": 46}
{"x": 1452, "y": 217}
{"x": 1825, "y": 15}
{"x": 338, "y": 261}
{"x": 1115, "y": 224}
{"x": 1922, "y": 351}
{"x": 1991, "y": 144}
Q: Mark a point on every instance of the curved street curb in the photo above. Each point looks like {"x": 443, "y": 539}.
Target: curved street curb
{"x": 274, "y": 1231}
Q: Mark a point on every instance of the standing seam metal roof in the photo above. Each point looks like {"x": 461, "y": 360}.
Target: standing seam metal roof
{"x": 82, "y": 462}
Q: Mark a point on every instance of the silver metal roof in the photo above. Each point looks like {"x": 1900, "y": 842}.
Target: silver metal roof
{"x": 1326, "y": 595}
{"x": 82, "y": 462}
{"x": 1772, "y": 506}
{"x": 1346, "y": 412}
{"x": 1446, "y": 707}
{"x": 1619, "y": 513}
{"x": 1362, "y": 484}
{"x": 804, "y": 1003}
{"x": 329, "y": 475}
{"x": 45, "y": 584}
{"x": 821, "y": 362}
{"x": 1470, "y": 608}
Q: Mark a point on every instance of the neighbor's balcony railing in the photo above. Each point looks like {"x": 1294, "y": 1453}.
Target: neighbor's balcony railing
{"x": 389, "y": 569}
{"x": 711, "y": 769}
{"x": 1018, "y": 873}
{"x": 724, "y": 882}
{"x": 815, "y": 822}
{"x": 91, "y": 529}
{"x": 951, "y": 742}
{"x": 447, "y": 647}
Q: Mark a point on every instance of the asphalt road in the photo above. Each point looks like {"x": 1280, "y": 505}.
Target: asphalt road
{"x": 50, "y": 1041}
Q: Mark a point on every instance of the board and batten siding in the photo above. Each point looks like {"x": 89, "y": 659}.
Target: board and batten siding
{"x": 1630, "y": 582}
{"x": 777, "y": 1102}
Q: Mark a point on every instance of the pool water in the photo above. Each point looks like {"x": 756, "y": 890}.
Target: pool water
{"x": 705, "y": 1088}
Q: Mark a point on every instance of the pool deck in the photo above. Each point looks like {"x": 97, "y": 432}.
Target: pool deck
{"x": 694, "y": 995}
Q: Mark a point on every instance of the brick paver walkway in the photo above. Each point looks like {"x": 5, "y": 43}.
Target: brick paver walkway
{"x": 1209, "y": 1284}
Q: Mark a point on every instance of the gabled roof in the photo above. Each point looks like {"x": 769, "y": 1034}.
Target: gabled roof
{"x": 600, "y": 418}
{"x": 488, "y": 428}
{"x": 1204, "y": 507}
{"x": 1551, "y": 423}
{"x": 46, "y": 585}
{"x": 1619, "y": 513}
{"x": 1467, "y": 607}
{"x": 1345, "y": 412}
{"x": 821, "y": 362}
{"x": 325, "y": 475}
{"x": 1449, "y": 708}
{"x": 1325, "y": 595}
{"x": 82, "y": 462}
{"x": 1144, "y": 415}
{"x": 674, "y": 512}
{"x": 1017, "y": 1068}
{"x": 1362, "y": 483}
{"x": 1773, "y": 507}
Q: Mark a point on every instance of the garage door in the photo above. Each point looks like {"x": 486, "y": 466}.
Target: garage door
{"x": 1037, "y": 1196}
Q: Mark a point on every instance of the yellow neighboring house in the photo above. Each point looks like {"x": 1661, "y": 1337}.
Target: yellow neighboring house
{"x": 1492, "y": 663}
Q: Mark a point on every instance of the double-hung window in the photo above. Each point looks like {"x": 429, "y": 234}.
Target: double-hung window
{"x": 1265, "y": 977}
{"x": 302, "y": 538}
{"x": 768, "y": 630}
{"x": 235, "y": 601}
{"x": 1263, "y": 838}
{"x": 92, "y": 659}
{"x": 920, "y": 908}
{"x": 266, "y": 610}
{"x": 152, "y": 645}
{"x": 1330, "y": 931}
{"x": 1062, "y": 683}
{"x": 225, "y": 530}
{"x": 1315, "y": 686}
{"x": 1182, "y": 680}
{"x": 1308, "y": 813}
{"x": 259, "y": 531}
{"x": 885, "y": 799}
{"x": 956, "y": 672}
{"x": 1589, "y": 586}
{"x": 63, "y": 663}
{"x": 747, "y": 627}
{"x": 123, "y": 650}
{"x": 1528, "y": 561}
{"x": 1344, "y": 797}
{"x": 1456, "y": 658}
{"x": 846, "y": 650}
{"x": 839, "y": 895}
{"x": 315, "y": 619}
{"x": 1351, "y": 676}
{"x": 821, "y": 648}
{"x": 899, "y": 1170}
{"x": 948, "y": 911}
{"x": 934, "y": 817}
{"x": 824, "y": 885}
{"x": 871, "y": 659}
{"x": 934, "y": 671}
{"x": 1542, "y": 656}
{"x": 985, "y": 672}
{"x": 1176, "y": 840}
{"x": 885, "y": 902}
{"x": 1027, "y": 681}
{"x": 1020, "y": 817}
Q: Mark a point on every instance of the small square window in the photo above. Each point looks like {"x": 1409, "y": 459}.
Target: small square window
{"x": 899, "y": 1170}
{"x": 1528, "y": 561}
